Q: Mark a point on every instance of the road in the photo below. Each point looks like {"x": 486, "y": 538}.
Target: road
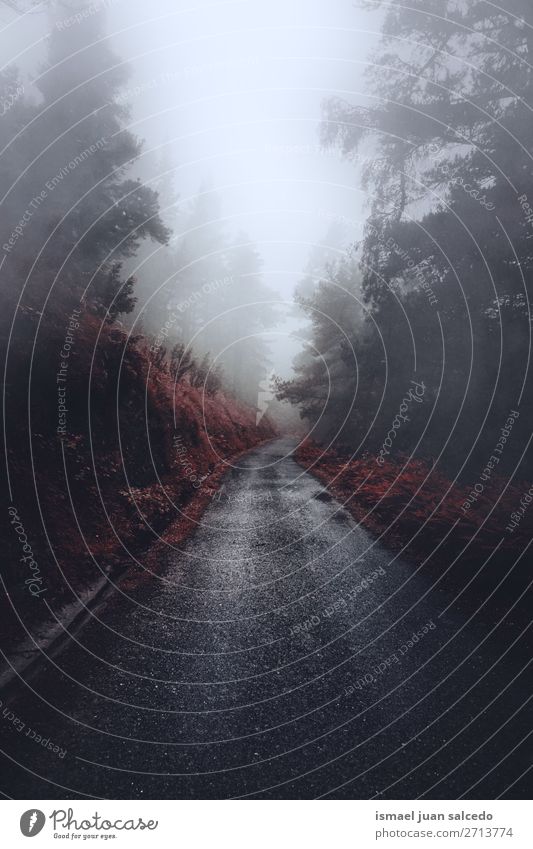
{"x": 274, "y": 657}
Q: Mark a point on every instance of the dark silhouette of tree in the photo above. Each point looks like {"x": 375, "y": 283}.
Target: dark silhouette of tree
{"x": 96, "y": 216}
{"x": 446, "y": 250}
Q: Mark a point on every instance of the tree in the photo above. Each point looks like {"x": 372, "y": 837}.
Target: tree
{"x": 328, "y": 370}
{"x": 181, "y": 361}
{"x": 445, "y": 127}
{"x": 241, "y": 314}
{"x": 94, "y": 215}
{"x": 446, "y": 247}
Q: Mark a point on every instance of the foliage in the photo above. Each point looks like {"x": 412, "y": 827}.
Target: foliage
{"x": 442, "y": 268}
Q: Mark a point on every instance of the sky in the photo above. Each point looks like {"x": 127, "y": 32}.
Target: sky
{"x": 234, "y": 91}
{"x": 231, "y": 93}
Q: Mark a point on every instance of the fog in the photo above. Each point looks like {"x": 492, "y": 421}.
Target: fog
{"x": 228, "y": 96}
{"x": 266, "y": 332}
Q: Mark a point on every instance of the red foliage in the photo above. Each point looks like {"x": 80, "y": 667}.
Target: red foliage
{"x": 413, "y": 504}
{"x": 142, "y": 457}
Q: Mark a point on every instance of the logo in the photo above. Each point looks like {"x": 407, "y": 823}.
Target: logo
{"x": 32, "y": 822}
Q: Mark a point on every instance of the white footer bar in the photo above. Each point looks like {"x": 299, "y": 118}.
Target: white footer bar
{"x": 267, "y": 824}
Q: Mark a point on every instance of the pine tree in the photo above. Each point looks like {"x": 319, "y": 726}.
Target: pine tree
{"x": 95, "y": 215}
{"x": 446, "y": 248}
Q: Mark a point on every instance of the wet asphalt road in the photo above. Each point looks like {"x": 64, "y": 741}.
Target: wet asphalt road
{"x": 273, "y": 657}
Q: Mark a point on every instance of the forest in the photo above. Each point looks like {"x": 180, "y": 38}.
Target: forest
{"x": 265, "y": 331}
{"x": 106, "y": 369}
{"x": 435, "y": 295}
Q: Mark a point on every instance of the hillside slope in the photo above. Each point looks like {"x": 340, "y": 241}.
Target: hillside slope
{"x": 101, "y": 471}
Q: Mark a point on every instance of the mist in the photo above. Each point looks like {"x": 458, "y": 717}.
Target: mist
{"x": 227, "y": 99}
{"x": 266, "y": 335}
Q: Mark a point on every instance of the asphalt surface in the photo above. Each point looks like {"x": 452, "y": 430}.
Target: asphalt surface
{"x": 274, "y": 657}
